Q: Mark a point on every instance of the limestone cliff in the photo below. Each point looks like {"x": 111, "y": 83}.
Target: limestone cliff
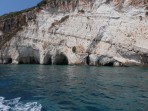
{"x": 93, "y": 32}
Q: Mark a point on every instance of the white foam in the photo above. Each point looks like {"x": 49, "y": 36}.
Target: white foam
{"x": 16, "y": 105}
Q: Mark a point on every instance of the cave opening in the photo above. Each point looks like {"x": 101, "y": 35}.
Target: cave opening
{"x": 7, "y": 61}
{"x": 28, "y": 60}
{"x": 87, "y": 60}
{"x": 61, "y": 59}
{"x": 48, "y": 61}
{"x": 109, "y": 64}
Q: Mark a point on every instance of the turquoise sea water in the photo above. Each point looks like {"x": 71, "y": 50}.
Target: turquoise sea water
{"x": 73, "y": 88}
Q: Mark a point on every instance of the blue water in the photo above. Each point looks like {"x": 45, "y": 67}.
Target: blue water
{"x": 73, "y": 88}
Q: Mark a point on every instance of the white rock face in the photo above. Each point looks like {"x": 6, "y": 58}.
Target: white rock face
{"x": 1, "y": 33}
{"x": 101, "y": 35}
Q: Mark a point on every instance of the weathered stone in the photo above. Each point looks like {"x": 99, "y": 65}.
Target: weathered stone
{"x": 106, "y": 61}
{"x": 117, "y": 64}
{"x": 99, "y": 35}
{"x": 93, "y": 59}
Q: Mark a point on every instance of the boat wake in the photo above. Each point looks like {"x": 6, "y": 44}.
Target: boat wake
{"x": 16, "y": 105}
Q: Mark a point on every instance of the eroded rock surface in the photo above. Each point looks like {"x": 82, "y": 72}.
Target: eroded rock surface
{"x": 88, "y": 32}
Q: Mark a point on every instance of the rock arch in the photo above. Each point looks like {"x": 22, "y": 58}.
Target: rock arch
{"x": 60, "y": 59}
{"x": 105, "y": 61}
{"x": 28, "y": 60}
{"x": 47, "y": 60}
{"x": 7, "y": 60}
{"x": 28, "y": 55}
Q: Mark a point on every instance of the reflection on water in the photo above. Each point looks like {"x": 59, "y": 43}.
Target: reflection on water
{"x": 77, "y": 88}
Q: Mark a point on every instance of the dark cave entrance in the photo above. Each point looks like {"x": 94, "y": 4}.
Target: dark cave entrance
{"x": 28, "y": 60}
{"x": 87, "y": 60}
{"x": 7, "y": 61}
{"x": 61, "y": 59}
{"x": 109, "y": 64}
{"x": 48, "y": 61}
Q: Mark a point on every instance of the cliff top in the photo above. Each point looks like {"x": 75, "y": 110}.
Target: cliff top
{"x": 74, "y": 4}
{"x": 12, "y": 22}
{"x": 13, "y": 14}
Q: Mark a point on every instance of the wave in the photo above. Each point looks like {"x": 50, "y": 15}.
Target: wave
{"x": 16, "y": 105}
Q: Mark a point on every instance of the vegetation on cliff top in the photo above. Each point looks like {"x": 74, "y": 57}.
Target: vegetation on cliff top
{"x": 5, "y": 22}
{"x": 13, "y": 14}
